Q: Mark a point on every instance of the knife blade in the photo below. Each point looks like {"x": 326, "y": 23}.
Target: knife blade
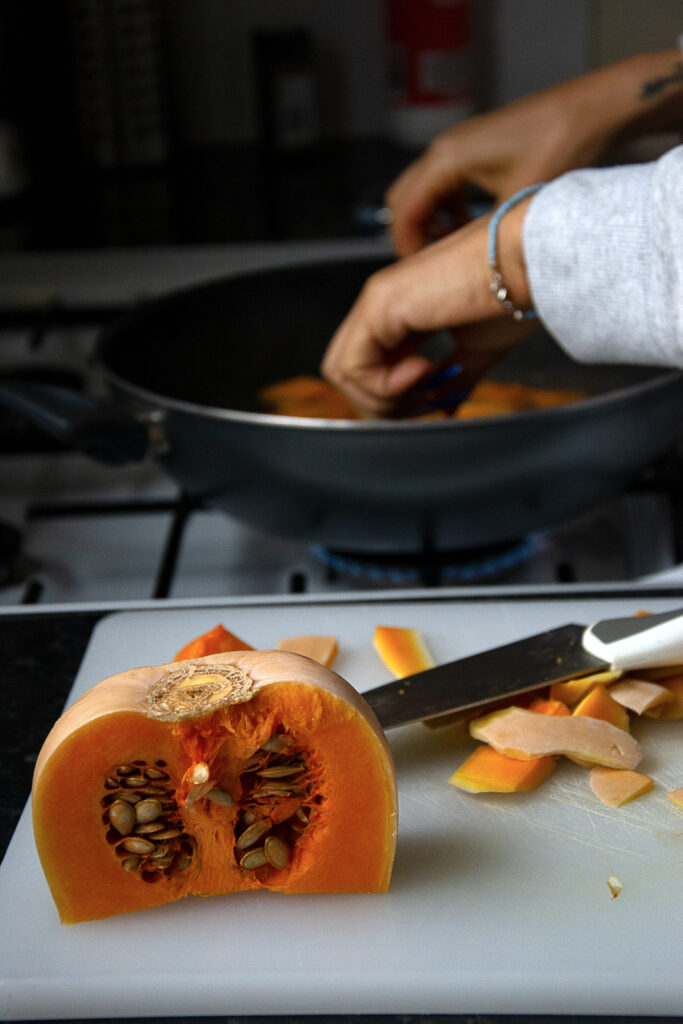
{"x": 553, "y": 656}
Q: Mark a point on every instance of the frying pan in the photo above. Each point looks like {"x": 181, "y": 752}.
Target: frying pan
{"x": 179, "y": 377}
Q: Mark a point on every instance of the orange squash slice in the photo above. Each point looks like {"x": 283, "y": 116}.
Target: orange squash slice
{"x": 246, "y": 770}
{"x": 549, "y": 706}
{"x": 599, "y": 703}
{"x": 215, "y": 641}
{"x": 488, "y": 771}
{"x": 323, "y": 649}
{"x": 574, "y": 690}
{"x": 402, "y": 650}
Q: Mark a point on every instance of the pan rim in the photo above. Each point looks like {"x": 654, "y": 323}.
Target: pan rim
{"x": 664, "y": 377}
{"x": 668, "y": 378}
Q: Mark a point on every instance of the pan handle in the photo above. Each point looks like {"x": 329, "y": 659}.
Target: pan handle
{"x": 78, "y": 420}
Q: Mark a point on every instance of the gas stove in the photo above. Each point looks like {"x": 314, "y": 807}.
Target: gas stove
{"x": 79, "y": 540}
{"x": 74, "y": 532}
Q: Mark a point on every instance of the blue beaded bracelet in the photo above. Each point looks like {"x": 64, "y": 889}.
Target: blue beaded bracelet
{"x": 497, "y": 287}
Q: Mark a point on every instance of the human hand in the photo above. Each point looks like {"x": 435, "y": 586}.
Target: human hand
{"x": 500, "y": 152}
{"x": 374, "y": 357}
{"x": 570, "y": 125}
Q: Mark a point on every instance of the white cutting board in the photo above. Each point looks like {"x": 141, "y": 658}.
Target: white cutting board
{"x": 499, "y": 904}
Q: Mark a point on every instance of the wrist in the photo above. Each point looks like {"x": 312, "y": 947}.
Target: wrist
{"x": 509, "y": 285}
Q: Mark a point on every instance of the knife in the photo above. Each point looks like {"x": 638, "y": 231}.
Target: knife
{"x": 567, "y": 652}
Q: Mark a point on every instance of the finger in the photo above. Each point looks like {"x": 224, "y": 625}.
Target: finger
{"x": 377, "y": 389}
{"x": 418, "y": 200}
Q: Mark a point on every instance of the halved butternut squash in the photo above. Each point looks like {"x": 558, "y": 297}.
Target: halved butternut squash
{"x": 237, "y": 771}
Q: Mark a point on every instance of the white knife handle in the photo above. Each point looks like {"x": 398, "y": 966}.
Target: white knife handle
{"x": 640, "y": 641}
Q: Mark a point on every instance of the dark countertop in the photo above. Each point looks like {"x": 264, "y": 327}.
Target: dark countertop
{"x": 41, "y": 655}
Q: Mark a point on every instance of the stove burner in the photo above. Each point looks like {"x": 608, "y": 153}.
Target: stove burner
{"x": 431, "y": 568}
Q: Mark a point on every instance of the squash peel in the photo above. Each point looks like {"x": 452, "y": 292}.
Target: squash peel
{"x": 671, "y": 710}
{"x": 487, "y": 771}
{"x": 617, "y": 786}
{"x": 639, "y": 695}
{"x": 523, "y": 734}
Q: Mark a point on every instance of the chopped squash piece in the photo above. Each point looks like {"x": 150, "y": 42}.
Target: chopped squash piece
{"x": 616, "y": 786}
{"x": 573, "y": 690}
{"x": 676, "y": 795}
{"x": 487, "y": 771}
{"x": 600, "y": 704}
{"x": 524, "y": 734}
{"x": 402, "y": 650}
{"x": 218, "y": 640}
{"x": 639, "y": 695}
{"x": 673, "y": 709}
{"x": 306, "y": 396}
{"x": 548, "y": 706}
{"x": 323, "y": 649}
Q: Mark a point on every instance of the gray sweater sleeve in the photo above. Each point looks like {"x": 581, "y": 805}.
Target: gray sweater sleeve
{"x": 604, "y": 256}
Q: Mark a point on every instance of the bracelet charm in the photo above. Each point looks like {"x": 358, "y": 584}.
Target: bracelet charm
{"x": 497, "y": 287}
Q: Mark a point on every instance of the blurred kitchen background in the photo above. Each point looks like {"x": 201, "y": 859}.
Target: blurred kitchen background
{"x": 149, "y": 145}
{"x": 184, "y": 122}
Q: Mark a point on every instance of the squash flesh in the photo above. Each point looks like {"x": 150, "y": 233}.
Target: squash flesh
{"x": 488, "y": 771}
{"x": 347, "y": 847}
{"x": 403, "y": 650}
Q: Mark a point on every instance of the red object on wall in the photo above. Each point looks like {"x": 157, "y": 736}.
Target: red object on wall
{"x": 432, "y": 73}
